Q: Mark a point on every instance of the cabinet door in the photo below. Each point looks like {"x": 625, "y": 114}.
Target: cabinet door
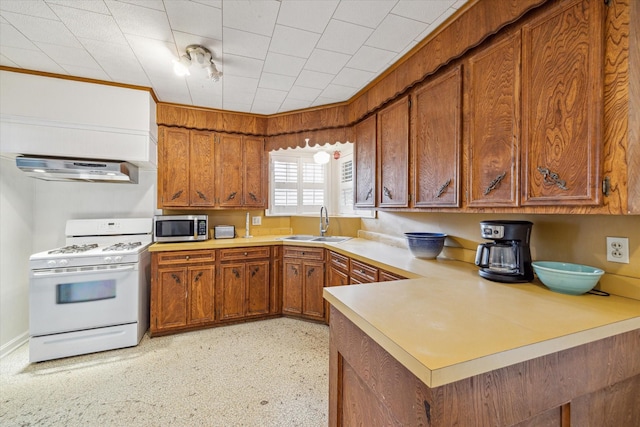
{"x": 436, "y": 138}
{"x": 292, "y": 286}
{"x": 562, "y": 76}
{"x": 201, "y": 176}
{"x": 313, "y": 302}
{"x": 173, "y": 167}
{"x": 254, "y": 173}
{"x": 171, "y": 298}
{"x": 494, "y": 124}
{"x": 393, "y": 154}
{"x": 232, "y": 295}
{"x": 365, "y": 160}
{"x": 336, "y": 277}
{"x": 257, "y": 273}
{"x": 229, "y": 159}
{"x": 201, "y": 295}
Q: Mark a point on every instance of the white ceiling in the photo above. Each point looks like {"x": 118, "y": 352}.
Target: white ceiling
{"x": 276, "y": 56}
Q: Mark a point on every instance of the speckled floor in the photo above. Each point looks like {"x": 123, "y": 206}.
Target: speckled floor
{"x": 266, "y": 373}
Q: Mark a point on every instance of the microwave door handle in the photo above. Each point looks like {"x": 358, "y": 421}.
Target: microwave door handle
{"x": 76, "y": 272}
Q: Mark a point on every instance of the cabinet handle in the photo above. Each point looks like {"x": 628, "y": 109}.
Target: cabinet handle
{"x": 176, "y": 195}
{"x": 232, "y": 196}
{"x": 198, "y": 276}
{"x": 443, "y": 188}
{"x": 310, "y": 272}
{"x": 202, "y": 196}
{"x": 176, "y": 278}
{"x": 253, "y": 197}
{"x": 294, "y": 269}
{"x": 387, "y": 193}
{"x": 369, "y": 194}
{"x": 493, "y": 184}
{"x": 552, "y": 178}
{"x": 254, "y": 271}
{"x": 235, "y": 273}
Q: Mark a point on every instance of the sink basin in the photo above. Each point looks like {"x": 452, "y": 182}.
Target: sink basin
{"x": 308, "y": 238}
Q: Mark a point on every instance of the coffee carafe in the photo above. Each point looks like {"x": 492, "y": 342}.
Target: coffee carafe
{"x": 508, "y": 258}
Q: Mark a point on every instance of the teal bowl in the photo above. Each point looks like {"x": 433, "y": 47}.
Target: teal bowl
{"x": 425, "y": 245}
{"x": 567, "y": 278}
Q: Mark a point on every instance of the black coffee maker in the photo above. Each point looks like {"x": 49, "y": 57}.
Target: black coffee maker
{"x": 508, "y": 258}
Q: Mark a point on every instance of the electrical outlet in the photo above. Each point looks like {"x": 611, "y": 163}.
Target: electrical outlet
{"x": 256, "y": 220}
{"x": 618, "y": 249}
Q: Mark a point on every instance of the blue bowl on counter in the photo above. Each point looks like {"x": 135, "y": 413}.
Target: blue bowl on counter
{"x": 567, "y": 278}
{"x": 425, "y": 245}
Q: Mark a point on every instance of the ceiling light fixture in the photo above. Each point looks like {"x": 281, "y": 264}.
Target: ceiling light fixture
{"x": 196, "y": 54}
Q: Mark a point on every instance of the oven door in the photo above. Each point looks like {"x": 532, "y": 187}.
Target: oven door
{"x": 73, "y": 299}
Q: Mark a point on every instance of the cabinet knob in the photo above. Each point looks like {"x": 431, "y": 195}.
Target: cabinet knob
{"x": 245, "y": 254}
{"x": 186, "y": 257}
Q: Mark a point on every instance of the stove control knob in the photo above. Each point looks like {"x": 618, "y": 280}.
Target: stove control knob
{"x": 108, "y": 260}
{"x": 63, "y": 262}
{"x": 118, "y": 258}
{"x": 51, "y": 263}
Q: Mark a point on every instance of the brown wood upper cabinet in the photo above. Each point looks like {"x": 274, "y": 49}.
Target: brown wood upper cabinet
{"x": 242, "y": 177}
{"x": 186, "y": 168}
{"x": 436, "y": 111}
{"x": 493, "y": 76}
{"x": 393, "y": 154}
{"x": 365, "y": 160}
{"x": 562, "y": 99}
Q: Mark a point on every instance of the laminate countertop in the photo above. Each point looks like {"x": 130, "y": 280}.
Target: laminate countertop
{"x": 446, "y": 323}
{"x": 451, "y": 324}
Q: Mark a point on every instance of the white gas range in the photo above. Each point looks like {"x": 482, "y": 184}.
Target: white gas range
{"x": 92, "y": 294}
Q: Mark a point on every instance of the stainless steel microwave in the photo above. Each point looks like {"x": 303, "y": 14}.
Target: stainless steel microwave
{"x": 180, "y": 228}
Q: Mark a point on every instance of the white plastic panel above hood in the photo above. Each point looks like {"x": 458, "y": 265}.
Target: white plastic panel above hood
{"x": 58, "y": 117}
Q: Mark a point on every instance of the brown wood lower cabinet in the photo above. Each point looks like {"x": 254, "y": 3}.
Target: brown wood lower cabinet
{"x": 595, "y": 384}
{"x": 303, "y": 282}
{"x": 182, "y": 290}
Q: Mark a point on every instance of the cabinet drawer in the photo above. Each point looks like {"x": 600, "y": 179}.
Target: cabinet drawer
{"x": 245, "y": 253}
{"x": 363, "y": 273}
{"x": 185, "y": 257}
{"x": 339, "y": 261}
{"x": 387, "y": 276}
{"x": 304, "y": 253}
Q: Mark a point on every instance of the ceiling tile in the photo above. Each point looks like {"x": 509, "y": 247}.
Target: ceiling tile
{"x": 11, "y": 37}
{"x": 68, "y": 55}
{"x": 337, "y": 92}
{"x": 371, "y": 59}
{"x": 118, "y": 61}
{"x": 243, "y": 43}
{"x": 239, "y": 85}
{"x": 313, "y": 15}
{"x": 361, "y": 12}
{"x": 236, "y": 106}
{"x": 34, "y": 60}
{"x": 353, "y": 78}
{"x": 414, "y": 10}
{"x": 195, "y": 18}
{"x": 7, "y": 62}
{"x": 38, "y": 9}
{"x": 304, "y": 93}
{"x": 174, "y": 89}
{"x": 242, "y": 66}
{"x": 141, "y": 21}
{"x": 283, "y": 64}
{"x": 264, "y": 107}
{"x": 90, "y": 25}
{"x": 206, "y": 93}
{"x": 343, "y": 37}
{"x": 257, "y": 17}
{"x": 305, "y": 41}
{"x": 155, "y": 56}
{"x": 322, "y": 100}
{"x": 395, "y": 33}
{"x": 97, "y": 6}
{"x": 314, "y": 79}
{"x": 151, "y": 4}
{"x": 291, "y": 104}
{"x": 87, "y": 72}
{"x": 326, "y": 61}
{"x": 270, "y": 95}
{"x": 276, "y": 81}
{"x": 42, "y": 30}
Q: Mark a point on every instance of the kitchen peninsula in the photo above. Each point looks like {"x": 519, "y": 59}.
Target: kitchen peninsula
{"x": 452, "y": 348}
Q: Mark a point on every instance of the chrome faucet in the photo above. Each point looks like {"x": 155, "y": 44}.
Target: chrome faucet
{"x": 324, "y": 224}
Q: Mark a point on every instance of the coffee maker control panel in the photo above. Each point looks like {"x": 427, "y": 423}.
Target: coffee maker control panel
{"x": 492, "y": 231}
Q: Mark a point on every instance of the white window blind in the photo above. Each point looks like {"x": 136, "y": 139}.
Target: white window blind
{"x": 299, "y": 185}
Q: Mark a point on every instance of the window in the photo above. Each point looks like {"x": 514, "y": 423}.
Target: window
{"x": 299, "y": 185}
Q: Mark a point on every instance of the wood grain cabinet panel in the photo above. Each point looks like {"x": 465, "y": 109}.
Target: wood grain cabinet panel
{"x": 562, "y": 67}
{"x": 436, "y": 110}
{"x": 365, "y": 161}
{"x": 393, "y": 154}
{"x": 303, "y": 282}
{"x": 494, "y": 124}
{"x": 242, "y": 177}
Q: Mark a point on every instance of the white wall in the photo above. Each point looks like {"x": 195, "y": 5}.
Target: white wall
{"x": 16, "y": 239}
{"x": 33, "y": 214}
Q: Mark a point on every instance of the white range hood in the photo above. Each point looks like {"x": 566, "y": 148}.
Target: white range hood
{"x": 67, "y": 119}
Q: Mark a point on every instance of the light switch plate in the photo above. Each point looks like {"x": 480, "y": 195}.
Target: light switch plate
{"x": 618, "y": 249}
{"x": 256, "y": 220}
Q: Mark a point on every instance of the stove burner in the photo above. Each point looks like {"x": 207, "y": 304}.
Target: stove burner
{"x": 72, "y": 249}
{"x": 123, "y": 246}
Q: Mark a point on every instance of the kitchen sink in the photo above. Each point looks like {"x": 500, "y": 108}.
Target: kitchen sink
{"x": 308, "y": 238}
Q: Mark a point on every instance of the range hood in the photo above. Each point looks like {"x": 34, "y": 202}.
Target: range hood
{"x": 85, "y": 170}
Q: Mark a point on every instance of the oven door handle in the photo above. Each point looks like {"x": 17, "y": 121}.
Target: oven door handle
{"x": 76, "y": 272}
